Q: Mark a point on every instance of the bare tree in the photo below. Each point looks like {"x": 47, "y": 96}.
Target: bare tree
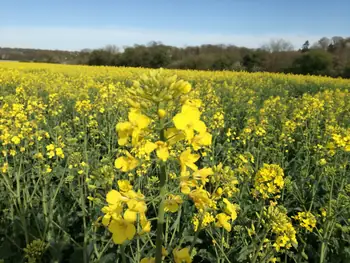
{"x": 324, "y": 43}
{"x": 113, "y": 49}
{"x": 336, "y": 40}
{"x": 278, "y": 45}
{"x": 86, "y": 50}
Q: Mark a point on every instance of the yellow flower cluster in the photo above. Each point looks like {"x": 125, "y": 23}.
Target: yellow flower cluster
{"x": 125, "y": 208}
{"x": 205, "y": 154}
{"x": 342, "y": 141}
{"x": 268, "y": 181}
{"x": 307, "y": 220}
{"x": 281, "y": 226}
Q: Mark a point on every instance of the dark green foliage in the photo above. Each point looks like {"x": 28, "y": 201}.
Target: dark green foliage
{"x": 314, "y": 62}
{"x": 326, "y": 57}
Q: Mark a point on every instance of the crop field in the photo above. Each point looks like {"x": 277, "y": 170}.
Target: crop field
{"x": 107, "y": 164}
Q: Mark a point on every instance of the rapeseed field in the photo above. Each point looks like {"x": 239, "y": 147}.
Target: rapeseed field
{"x": 104, "y": 164}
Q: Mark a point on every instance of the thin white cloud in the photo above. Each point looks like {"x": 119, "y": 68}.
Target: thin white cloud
{"x": 77, "y": 38}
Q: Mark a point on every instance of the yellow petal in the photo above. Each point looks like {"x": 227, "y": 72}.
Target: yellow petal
{"x": 163, "y": 153}
{"x": 119, "y": 238}
{"x": 130, "y": 216}
{"x": 106, "y": 219}
{"x": 113, "y": 197}
{"x": 130, "y": 231}
{"x": 150, "y": 147}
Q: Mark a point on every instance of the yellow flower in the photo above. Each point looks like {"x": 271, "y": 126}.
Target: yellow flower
{"x": 269, "y": 180}
{"x": 39, "y": 156}
{"x": 145, "y": 224}
{"x": 121, "y": 230}
{"x": 124, "y": 185}
{"x": 322, "y": 161}
{"x": 162, "y": 151}
{"x": 201, "y": 198}
{"x": 4, "y": 168}
{"x": 185, "y": 87}
{"x": 181, "y": 256}
{"x": 189, "y": 121}
{"x": 59, "y": 152}
{"x": 148, "y": 260}
{"x": 50, "y": 147}
{"x": 164, "y": 252}
{"x": 186, "y": 184}
{"x": 130, "y": 216}
{"x": 150, "y": 147}
{"x": 16, "y": 140}
{"x": 187, "y": 159}
{"x": 230, "y": 209}
{"x": 202, "y": 139}
{"x": 48, "y": 169}
{"x": 137, "y": 122}
{"x": 307, "y": 220}
{"x": 124, "y": 130}
{"x": 114, "y": 208}
{"x": 223, "y": 221}
{"x": 173, "y": 136}
{"x": 137, "y": 205}
{"x": 202, "y": 174}
{"x": 172, "y": 203}
{"x": 126, "y": 163}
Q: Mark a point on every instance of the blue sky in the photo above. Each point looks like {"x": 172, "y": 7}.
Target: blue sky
{"x": 77, "y": 24}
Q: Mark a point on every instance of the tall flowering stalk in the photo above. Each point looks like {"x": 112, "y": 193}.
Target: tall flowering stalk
{"x": 152, "y": 100}
{"x": 164, "y": 127}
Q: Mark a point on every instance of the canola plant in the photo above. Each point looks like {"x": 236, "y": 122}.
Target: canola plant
{"x": 103, "y": 164}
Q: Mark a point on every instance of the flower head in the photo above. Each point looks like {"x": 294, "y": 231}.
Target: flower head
{"x": 181, "y": 256}
{"x": 126, "y": 163}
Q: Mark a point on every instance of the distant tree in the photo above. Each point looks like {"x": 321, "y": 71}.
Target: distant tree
{"x": 346, "y": 71}
{"x": 86, "y": 50}
{"x": 253, "y": 61}
{"x": 279, "y": 61}
{"x": 336, "y": 44}
{"x": 160, "y": 56}
{"x": 221, "y": 63}
{"x": 324, "y": 43}
{"x": 99, "y": 57}
{"x": 314, "y": 62}
{"x": 278, "y": 45}
{"x": 112, "y": 49}
{"x": 305, "y": 46}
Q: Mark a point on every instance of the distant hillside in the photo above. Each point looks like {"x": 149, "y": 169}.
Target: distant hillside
{"x": 40, "y": 55}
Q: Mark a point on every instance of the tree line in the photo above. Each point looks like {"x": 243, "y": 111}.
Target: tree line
{"x": 328, "y": 56}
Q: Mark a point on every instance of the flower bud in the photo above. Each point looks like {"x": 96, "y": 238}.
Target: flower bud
{"x": 161, "y": 113}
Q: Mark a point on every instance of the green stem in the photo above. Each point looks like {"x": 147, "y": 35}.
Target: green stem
{"x": 45, "y": 208}
{"x": 82, "y": 200}
{"x": 196, "y": 235}
{"x": 82, "y": 195}
{"x": 138, "y": 254}
{"x": 324, "y": 240}
{"x": 177, "y": 222}
{"x": 21, "y": 206}
{"x": 162, "y": 193}
{"x": 256, "y": 254}
{"x": 222, "y": 251}
{"x": 161, "y": 212}
{"x": 122, "y": 252}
